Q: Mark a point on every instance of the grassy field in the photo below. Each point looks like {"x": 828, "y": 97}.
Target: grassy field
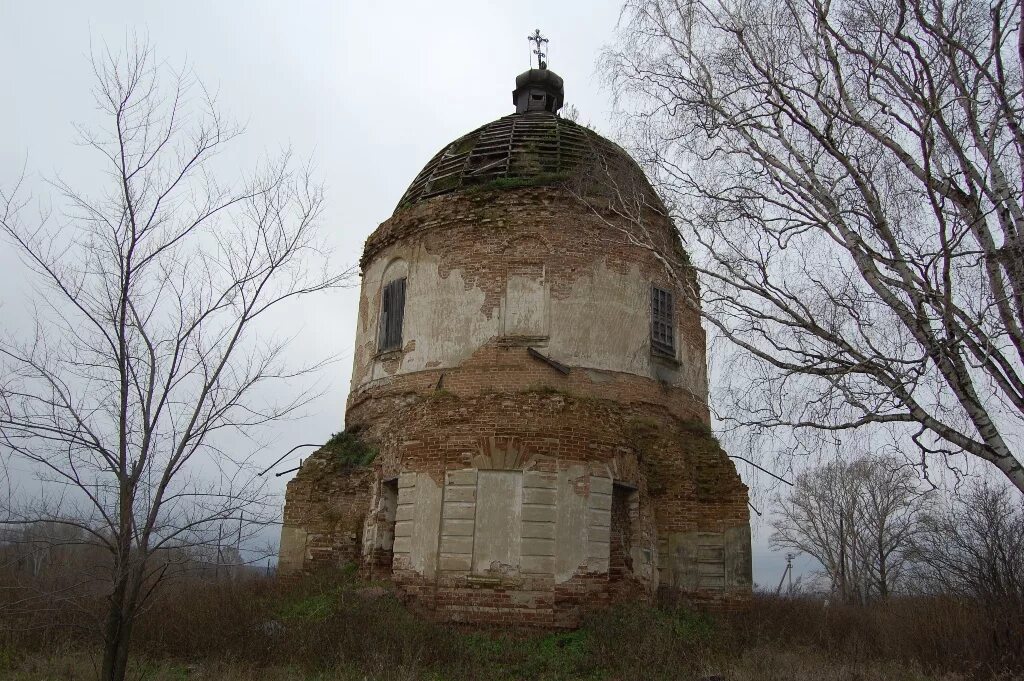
{"x": 345, "y": 629}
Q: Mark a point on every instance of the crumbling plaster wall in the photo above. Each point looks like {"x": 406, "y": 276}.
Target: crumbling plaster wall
{"x": 689, "y": 519}
{"x": 588, "y": 293}
{"x": 547, "y": 521}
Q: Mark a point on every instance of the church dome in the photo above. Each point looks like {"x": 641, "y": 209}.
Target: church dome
{"x": 527, "y": 148}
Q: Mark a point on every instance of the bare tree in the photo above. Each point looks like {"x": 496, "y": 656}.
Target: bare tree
{"x": 848, "y": 178}
{"x": 42, "y": 544}
{"x": 974, "y": 546}
{"x": 857, "y": 519}
{"x": 144, "y": 356}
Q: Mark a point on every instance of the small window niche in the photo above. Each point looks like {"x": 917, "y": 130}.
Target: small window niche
{"x": 392, "y": 315}
{"x": 525, "y": 307}
{"x": 663, "y": 333}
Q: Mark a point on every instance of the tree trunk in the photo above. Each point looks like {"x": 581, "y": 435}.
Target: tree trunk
{"x": 121, "y": 614}
{"x": 117, "y": 634}
{"x": 883, "y": 577}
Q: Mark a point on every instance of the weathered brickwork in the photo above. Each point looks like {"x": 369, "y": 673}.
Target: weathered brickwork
{"x": 669, "y": 472}
{"x": 534, "y": 457}
{"x": 326, "y": 509}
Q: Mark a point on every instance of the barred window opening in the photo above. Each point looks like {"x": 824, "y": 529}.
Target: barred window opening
{"x": 663, "y": 341}
{"x": 392, "y": 313}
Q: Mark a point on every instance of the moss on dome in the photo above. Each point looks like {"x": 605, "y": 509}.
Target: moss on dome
{"x": 531, "y": 149}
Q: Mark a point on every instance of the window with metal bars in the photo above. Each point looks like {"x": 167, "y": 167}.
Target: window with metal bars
{"x": 392, "y": 312}
{"x": 663, "y": 337}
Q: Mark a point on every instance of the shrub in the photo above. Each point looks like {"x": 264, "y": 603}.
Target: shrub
{"x": 348, "y": 449}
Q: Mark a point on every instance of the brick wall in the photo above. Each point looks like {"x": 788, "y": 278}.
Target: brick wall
{"x": 695, "y": 487}
{"x": 681, "y": 519}
{"x": 326, "y": 507}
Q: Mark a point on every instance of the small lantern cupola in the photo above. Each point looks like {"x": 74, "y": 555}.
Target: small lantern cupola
{"x": 538, "y": 89}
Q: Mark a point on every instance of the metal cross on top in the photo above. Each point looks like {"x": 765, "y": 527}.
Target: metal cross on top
{"x": 540, "y": 42}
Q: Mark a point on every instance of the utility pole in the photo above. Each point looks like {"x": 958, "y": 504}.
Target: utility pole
{"x": 842, "y": 561}
{"x": 787, "y": 571}
{"x": 216, "y": 569}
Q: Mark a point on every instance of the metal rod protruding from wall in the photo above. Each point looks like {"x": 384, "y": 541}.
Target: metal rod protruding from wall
{"x": 763, "y": 470}
{"x": 284, "y": 456}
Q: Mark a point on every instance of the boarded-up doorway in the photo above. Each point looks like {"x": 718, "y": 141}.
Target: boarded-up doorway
{"x": 498, "y": 529}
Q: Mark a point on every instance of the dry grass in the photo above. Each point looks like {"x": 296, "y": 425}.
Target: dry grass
{"x": 334, "y": 630}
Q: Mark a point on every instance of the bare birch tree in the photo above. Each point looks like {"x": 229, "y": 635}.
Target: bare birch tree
{"x": 849, "y": 179}
{"x": 144, "y": 356}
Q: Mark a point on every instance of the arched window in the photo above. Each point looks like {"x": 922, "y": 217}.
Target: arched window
{"x": 392, "y": 314}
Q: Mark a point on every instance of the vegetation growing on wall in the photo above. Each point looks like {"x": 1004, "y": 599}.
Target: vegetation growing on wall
{"x": 502, "y": 183}
{"x": 348, "y": 450}
{"x": 701, "y": 449}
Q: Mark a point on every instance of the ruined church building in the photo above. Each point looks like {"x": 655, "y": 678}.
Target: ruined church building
{"x": 530, "y": 376}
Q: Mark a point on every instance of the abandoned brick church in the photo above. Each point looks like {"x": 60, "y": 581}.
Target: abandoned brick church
{"x": 528, "y": 407}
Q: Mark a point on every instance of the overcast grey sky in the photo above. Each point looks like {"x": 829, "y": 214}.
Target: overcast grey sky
{"x": 368, "y": 90}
